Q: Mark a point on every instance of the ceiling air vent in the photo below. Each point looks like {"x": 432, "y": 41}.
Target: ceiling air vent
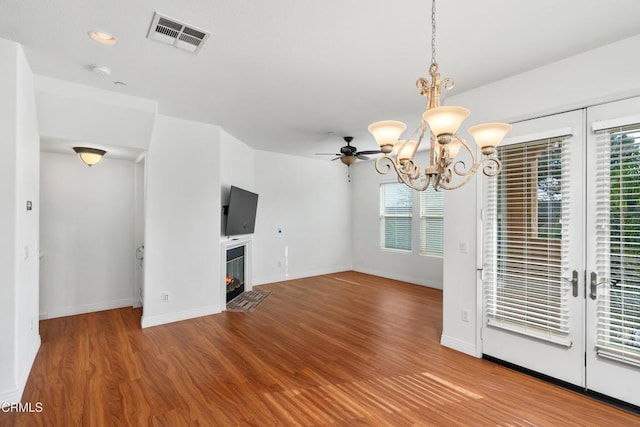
{"x": 170, "y": 31}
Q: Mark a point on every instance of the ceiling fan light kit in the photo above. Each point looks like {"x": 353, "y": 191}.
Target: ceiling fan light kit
{"x": 349, "y": 154}
{"x": 440, "y": 125}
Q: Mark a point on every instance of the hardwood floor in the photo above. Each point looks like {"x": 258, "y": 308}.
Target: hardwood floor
{"x": 342, "y": 349}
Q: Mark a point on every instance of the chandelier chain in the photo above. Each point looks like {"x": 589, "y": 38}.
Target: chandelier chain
{"x": 433, "y": 31}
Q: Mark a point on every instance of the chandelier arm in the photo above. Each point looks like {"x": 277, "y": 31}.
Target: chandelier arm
{"x": 384, "y": 163}
{"x": 421, "y": 129}
{"x": 424, "y": 86}
{"x": 406, "y": 172}
{"x": 435, "y": 181}
{"x": 453, "y": 186}
{"x": 410, "y": 170}
{"x": 460, "y": 166}
{"x": 492, "y": 167}
{"x": 447, "y": 84}
{"x": 413, "y": 182}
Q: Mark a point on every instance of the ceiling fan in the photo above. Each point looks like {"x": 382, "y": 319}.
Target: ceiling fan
{"x": 349, "y": 154}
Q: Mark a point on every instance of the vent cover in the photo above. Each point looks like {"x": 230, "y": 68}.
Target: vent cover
{"x": 170, "y": 31}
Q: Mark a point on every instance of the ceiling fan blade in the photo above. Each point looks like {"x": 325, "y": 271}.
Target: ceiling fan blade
{"x": 370, "y": 152}
{"x": 361, "y": 157}
{"x": 327, "y": 154}
{"x": 336, "y": 158}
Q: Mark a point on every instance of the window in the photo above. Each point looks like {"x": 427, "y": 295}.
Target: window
{"x": 431, "y": 222}
{"x": 618, "y": 216}
{"x": 526, "y": 247}
{"x": 396, "y": 206}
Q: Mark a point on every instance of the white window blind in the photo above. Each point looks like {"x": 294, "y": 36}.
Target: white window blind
{"x": 618, "y": 243}
{"x": 396, "y": 206}
{"x": 431, "y": 222}
{"x": 526, "y": 246}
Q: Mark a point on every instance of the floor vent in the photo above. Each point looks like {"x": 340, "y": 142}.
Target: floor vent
{"x": 178, "y": 34}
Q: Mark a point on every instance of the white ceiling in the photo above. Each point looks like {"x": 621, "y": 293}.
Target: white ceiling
{"x": 281, "y": 74}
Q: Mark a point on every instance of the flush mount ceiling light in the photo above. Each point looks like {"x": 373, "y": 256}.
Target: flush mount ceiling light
{"x": 441, "y": 125}
{"x": 90, "y": 156}
{"x": 103, "y": 38}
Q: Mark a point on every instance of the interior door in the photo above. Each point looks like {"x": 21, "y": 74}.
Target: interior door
{"x": 613, "y": 251}
{"x": 533, "y": 254}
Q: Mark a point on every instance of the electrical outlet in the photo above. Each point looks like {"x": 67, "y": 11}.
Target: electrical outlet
{"x": 465, "y": 315}
{"x": 165, "y": 297}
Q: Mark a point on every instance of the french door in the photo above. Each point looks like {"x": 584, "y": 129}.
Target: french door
{"x": 561, "y": 255}
{"x": 613, "y": 251}
{"x": 533, "y": 238}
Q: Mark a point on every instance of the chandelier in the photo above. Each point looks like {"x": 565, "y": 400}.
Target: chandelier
{"x": 441, "y": 124}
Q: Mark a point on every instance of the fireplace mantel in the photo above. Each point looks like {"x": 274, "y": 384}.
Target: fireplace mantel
{"x": 226, "y": 244}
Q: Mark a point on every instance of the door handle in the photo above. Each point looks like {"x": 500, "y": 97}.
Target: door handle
{"x": 574, "y": 282}
{"x": 594, "y": 285}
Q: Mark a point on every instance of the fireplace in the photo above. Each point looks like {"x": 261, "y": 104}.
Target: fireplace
{"x": 235, "y": 276}
{"x": 235, "y": 269}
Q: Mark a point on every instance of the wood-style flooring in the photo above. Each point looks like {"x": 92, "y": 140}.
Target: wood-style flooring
{"x": 337, "y": 350}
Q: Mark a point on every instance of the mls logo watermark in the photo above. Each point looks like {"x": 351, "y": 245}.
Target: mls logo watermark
{"x": 29, "y": 407}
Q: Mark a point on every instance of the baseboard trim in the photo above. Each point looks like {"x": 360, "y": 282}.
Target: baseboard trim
{"x": 15, "y": 395}
{"x": 458, "y": 345}
{"x": 163, "y": 319}
{"x": 282, "y": 278}
{"x": 87, "y": 308}
{"x": 401, "y": 277}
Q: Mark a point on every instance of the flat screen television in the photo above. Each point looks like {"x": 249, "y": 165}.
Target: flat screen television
{"x": 241, "y": 212}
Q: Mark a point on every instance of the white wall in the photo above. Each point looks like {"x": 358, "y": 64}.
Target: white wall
{"x": 182, "y": 231}
{"x": 237, "y": 168}
{"x": 86, "y": 235}
{"x": 309, "y": 200}
{"x": 603, "y": 74}
{"x": 368, "y": 256}
{"x": 19, "y": 159}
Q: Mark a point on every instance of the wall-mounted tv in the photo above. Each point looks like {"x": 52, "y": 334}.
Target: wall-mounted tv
{"x": 241, "y": 212}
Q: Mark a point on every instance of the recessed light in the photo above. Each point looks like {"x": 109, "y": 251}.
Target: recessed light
{"x": 103, "y": 38}
{"x": 100, "y": 70}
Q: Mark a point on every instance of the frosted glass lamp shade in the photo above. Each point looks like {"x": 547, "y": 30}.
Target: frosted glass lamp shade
{"x": 90, "y": 156}
{"x": 454, "y": 148}
{"x": 387, "y": 133}
{"x": 489, "y": 135}
{"x": 407, "y": 150}
{"x": 445, "y": 121}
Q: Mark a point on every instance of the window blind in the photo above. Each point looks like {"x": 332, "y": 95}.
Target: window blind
{"x": 431, "y": 222}
{"x": 396, "y": 206}
{"x": 527, "y": 216}
{"x": 618, "y": 243}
